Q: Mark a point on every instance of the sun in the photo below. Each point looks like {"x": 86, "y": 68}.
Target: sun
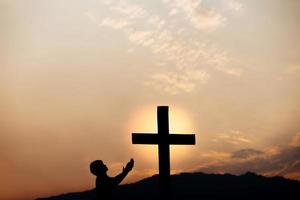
{"x": 145, "y": 121}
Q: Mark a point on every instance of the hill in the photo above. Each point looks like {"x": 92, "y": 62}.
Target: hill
{"x": 190, "y": 186}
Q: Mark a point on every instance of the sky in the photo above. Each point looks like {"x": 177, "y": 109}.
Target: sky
{"x": 78, "y": 77}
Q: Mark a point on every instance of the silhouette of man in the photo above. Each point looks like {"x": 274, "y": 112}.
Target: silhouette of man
{"x": 105, "y": 185}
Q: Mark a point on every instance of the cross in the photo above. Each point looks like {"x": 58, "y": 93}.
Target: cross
{"x": 163, "y": 139}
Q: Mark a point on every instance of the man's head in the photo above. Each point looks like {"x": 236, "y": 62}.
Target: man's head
{"x": 97, "y": 167}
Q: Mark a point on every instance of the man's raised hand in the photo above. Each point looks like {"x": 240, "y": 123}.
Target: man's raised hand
{"x": 129, "y": 165}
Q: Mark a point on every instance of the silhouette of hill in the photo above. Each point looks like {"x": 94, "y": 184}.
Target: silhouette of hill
{"x": 188, "y": 186}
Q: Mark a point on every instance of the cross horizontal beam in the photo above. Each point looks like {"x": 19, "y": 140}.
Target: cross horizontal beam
{"x": 175, "y": 139}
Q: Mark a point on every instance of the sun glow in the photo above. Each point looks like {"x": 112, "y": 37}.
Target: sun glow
{"x": 145, "y": 121}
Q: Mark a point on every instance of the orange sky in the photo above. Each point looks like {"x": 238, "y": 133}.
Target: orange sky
{"x": 78, "y": 77}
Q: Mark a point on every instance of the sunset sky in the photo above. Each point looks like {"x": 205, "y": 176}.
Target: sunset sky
{"x": 78, "y": 77}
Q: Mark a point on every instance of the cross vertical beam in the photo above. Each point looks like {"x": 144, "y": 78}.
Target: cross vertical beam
{"x": 163, "y": 150}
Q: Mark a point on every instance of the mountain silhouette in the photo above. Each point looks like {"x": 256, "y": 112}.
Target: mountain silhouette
{"x": 188, "y": 186}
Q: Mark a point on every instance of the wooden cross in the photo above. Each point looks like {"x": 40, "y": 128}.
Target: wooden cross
{"x": 163, "y": 139}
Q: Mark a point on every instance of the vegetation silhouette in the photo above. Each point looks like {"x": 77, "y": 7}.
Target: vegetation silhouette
{"x": 191, "y": 186}
{"x": 105, "y": 185}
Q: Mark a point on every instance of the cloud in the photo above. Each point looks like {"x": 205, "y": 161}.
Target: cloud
{"x": 200, "y": 17}
{"x": 184, "y": 61}
{"x": 234, "y": 5}
{"x": 90, "y": 16}
{"x": 234, "y": 137}
{"x": 246, "y": 153}
{"x": 293, "y": 69}
{"x": 114, "y": 23}
{"x": 174, "y": 82}
{"x": 295, "y": 141}
{"x": 277, "y": 161}
{"x": 131, "y": 11}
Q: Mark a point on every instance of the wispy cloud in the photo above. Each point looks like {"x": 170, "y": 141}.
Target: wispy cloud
{"x": 131, "y": 11}
{"x": 114, "y": 23}
{"x": 234, "y": 5}
{"x": 246, "y": 153}
{"x": 293, "y": 69}
{"x": 174, "y": 82}
{"x": 191, "y": 59}
{"x": 276, "y": 161}
{"x": 295, "y": 141}
{"x": 234, "y": 137}
{"x": 197, "y": 14}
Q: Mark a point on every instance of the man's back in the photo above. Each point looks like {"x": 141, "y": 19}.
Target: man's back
{"x": 105, "y": 185}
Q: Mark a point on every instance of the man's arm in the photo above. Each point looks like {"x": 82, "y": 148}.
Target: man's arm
{"x": 119, "y": 178}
